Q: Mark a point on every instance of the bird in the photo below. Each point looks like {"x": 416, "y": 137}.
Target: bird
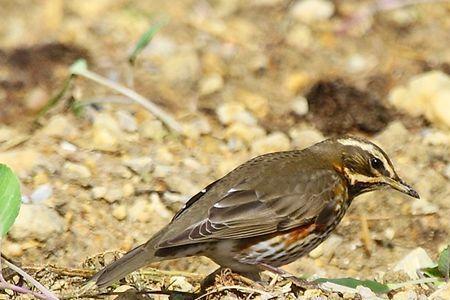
{"x": 269, "y": 211}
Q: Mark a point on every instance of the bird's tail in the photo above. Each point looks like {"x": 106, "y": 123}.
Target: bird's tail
{"x": 137, "y": 258}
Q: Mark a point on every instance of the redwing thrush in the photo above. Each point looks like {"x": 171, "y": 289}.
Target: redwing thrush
{"x": 269, "y": 211}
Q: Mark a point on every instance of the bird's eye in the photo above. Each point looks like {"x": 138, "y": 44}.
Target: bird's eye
{"x": 376, "y": 163}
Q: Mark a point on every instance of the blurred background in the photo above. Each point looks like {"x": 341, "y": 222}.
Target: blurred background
{"x": 100, "y": 172}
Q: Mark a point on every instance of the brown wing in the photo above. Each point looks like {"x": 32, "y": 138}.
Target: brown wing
{"x": 244, "y": 211}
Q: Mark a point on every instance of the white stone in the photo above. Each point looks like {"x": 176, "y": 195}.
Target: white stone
{"x": 106, "y": 133}
{"x": 426, "y": 94}
{"x": 423, "y": 206}
{"x": 76, "y": 171}
{"x": 36, "y": 221}
{"x": 413, "y": 261}
{"x": 127, "y": 121}
{"x": 405, "y": 295}
{"x": 234, "y": 112}
{"x": 210, "y": 84}
{"x": 120, "y": 212}
{"x": 113, "y": 194}
{"x": 276, "y": 141}
{"x": 153, "y": 129}
{"x": 309, "y": 11}
{"x": 300, "y": 36}
{"x": 305, "y": 137}
{"x": 41, "y": 193}
{"x": 179, "y": 283}
{"x": 300, "y": 106}
{"x": 140, "y": 165}
{"x": 98, "y": 192}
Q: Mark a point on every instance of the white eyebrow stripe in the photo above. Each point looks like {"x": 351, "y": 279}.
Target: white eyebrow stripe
{"x": 369, "y": 148}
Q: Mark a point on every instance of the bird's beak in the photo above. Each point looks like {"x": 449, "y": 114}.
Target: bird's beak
{"x": 401, "y": 186}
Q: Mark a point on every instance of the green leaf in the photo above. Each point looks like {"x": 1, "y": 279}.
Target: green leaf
{"x": 144, "y": 40}
{"x": 9, "y": 198}
{"x": 432, "y": 272}
{"x": 444, "y": 262}
{"x": 375, "y": 286}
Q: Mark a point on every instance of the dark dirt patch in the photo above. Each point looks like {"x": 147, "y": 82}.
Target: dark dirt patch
{"x": 338, "y": 108}
{"x": 23, "y": 68}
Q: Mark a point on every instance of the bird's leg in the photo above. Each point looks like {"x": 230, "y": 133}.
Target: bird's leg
{"x": 302, "y": 283}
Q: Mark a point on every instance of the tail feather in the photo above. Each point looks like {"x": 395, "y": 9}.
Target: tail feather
{"x": 135, "y": 259}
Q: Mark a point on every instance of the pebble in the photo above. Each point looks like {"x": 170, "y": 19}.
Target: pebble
{"x": 244, "y": 132}
{"x": 405, "y": 295}
{"x": 113, "y": 194}
{"x": 36, "y": 221}
{"x": 297, "y": 82}
{"x": 366, "y": 293}
{"x": 76, "y": 171}
{"x": 153, "y": 129}
{"x": 12, "y": 249}
{"x": 66, "y": 146}
{"x": 41, "y": 193}
{"x": 423, "y": 206}
{"x": 210, "y": 84}
{"x": 106, "y": 133}
{"x": 305, "y": 137}
{"x": 414, "y": 260}
{"x": 197, "y": 127}
{"x": 59, "y": 126}
{"x": 180, "y": 283}
{"x": 443, "y": 292}
{"x": 300, "y": 36}
{"x": 233, "y": 112}
{"x": 276, "y": 141}
{"x": 98, "y": 192}
{"x": 140, "y": 211}
{"x": 120, "y": 212}
{"x": 300, "y": 106}
{"x": 140, "y": 165}
{"x": 255, "y": 103}
{"x": 36, "y": 99}
{"x": 183, "y": 66}
{"x": 426, "y": 94}
{"x": 309, "y": 11}
{"x": 127, "y": 121}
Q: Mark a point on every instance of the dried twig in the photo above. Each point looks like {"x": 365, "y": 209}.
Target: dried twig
{"x": 80, "y": 68}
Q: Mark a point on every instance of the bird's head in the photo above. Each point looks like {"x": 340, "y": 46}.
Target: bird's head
{"x": 367, "y": 167}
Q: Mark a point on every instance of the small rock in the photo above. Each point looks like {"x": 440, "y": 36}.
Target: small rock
{"x": 413, "y": 261}
{"x": 244, "y": 132}
{"x": 256, "y": 103}
{"x": 210, "y": 84}
{"x": 41, "y": 193}
{"x": 21, "y": 161}
{"x": 426, "y": 94}
{"x": 128, "y": 190}
{"x": 297, "y": 82}
{"x": 300, "y": 106}
{"x": 197, "y": 127}
{"x": 366, "y": 293}
{"x": 422, "y": 206}
{"x": 127, "y": 121}
{"x": 76, "y": 171}
{"x": 276, "y": 141}
{"x": 113, "y": 194}
{"x": 405, "y": 295}
{"x": 141, "y": 211}
{"x": 358, "y": 63}
{"x": 309, "y": 11}
{"x": 140, "y": 165}
{"x": 179, "y": 283}
{"x": 443, "y": 292}
{"x": 389, "y": 233}
{"x": 12, "y": 249}
{"x": 66, "y": 146}
{"x": 183, "y": 66}
{"x": 36, "y": 221}
{"x": 153, "y": 129}
{"x": 106, "y": 133}
{"x": 305, "y": 137}
{"x": 120, "y": 212}
{"x": 98, "y": 192}
{"x": 36, "y": 99}
{"x": 447, "y": 171}
{"x": 234, "y": 113}
{"x": 60, "y": 126}
{"x": 300, "y": 36}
